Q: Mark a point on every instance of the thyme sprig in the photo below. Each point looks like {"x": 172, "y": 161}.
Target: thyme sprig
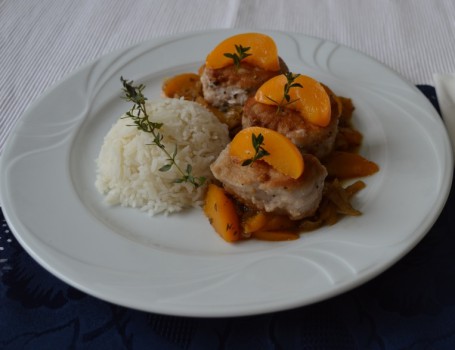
{"x": 239, "y": 55}
{"x": 139, "y": 115}
{"x": 286, "y": 99}
{"x": 260, "y": 151}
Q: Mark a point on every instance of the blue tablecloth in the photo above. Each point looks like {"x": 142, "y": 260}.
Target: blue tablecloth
{"x": 410, "y": 306}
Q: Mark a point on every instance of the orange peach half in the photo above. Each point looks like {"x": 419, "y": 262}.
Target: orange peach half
{"x": 284, "y": 156}
{"x": 262, "y": 49}
{"x": 311, "y": 100}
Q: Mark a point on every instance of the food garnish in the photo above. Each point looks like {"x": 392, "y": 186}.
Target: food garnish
{"x": 262, "y": 52}
{"x": 276, "y": 236}
{"x": 186, "y": 85}
{"x": 283, "y": 155}
{"x": 239, "y": 55}
{"x": 221, "y": 212}
{"x": 261, "y": 221}
{"x": 138, "y": 113}
{"x": 259, "y": 151}
{"x": 307, "y": 97}
{"x": 286, "y": 99}
{"x": 347, "y": 165}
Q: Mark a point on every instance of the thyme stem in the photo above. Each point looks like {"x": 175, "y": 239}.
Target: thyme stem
{"x": 240, "y": 54}
{"x": 138, "y": 113}
{"x": 287, "y": 87}
{"x": 260, "y": 151}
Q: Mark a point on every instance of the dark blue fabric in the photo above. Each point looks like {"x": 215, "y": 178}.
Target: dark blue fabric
{"x": 410, "y": 306}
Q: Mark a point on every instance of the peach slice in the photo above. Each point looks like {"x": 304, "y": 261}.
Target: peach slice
{"x": 263, "y": 52}
{"x": 284, "y": 156}
{"x": 311, "y": 100}
{"x": 185, "y": 85}
{"x": 220, "y": 210}
{"x": 262, "y": 221}
{"x": 276, "y": 236}
{"x": 255, "y": 222}
{"x": 346, "y": 165}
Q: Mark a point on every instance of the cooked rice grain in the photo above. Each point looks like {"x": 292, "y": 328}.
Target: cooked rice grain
{"x": 128, "y": 165}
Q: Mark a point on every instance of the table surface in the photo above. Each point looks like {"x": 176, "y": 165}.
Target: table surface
{"x": 412, "y": 305}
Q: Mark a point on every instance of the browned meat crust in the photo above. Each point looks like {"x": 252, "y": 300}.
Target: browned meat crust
{"x": 261, "y": 187}
{"x": 230, "y": 85}
{"x": 310, "y": 138}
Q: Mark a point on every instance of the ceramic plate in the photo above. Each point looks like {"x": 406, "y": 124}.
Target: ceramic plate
{"x": 177, "y": 264}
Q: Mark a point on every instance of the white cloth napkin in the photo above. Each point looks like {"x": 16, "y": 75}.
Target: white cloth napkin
{"x": 445, "y": 90}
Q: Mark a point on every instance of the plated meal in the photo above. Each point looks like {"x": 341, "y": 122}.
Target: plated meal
{"x": 265, "y": 152}
{"x": 176, "y": 264}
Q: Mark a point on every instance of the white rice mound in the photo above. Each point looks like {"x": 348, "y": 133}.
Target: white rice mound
{"x": 128, "y": 165}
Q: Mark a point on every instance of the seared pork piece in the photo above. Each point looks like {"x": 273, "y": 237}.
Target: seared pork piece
{"x": 262, "y": 187}
{"x": 310, "y": 138}
{"x": 231, "y": 86}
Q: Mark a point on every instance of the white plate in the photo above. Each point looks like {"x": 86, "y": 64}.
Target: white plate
{"x": 177, "y": 264}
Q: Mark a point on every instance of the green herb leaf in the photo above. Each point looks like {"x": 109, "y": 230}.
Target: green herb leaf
{"x": 166, "y": 167}
{"x": 139, "y": 115}
{"x": 247, "y": 162}
{"x": 286, "y": 99}
{"x": 260, "y": 152}
{"x": 239, "y": 55}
